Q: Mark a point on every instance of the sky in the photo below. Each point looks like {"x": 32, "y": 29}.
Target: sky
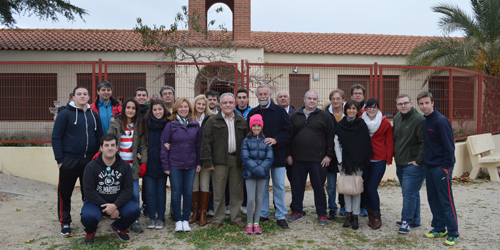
{"x": 394, "y": 17}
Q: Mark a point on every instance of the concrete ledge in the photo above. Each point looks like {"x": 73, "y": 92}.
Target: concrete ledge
{"x": 38, "y": 163}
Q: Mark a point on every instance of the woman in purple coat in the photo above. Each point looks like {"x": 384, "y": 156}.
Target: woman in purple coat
{"x": 180, "y": 157}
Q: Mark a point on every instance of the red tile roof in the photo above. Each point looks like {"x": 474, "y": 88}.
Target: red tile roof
{"x": 273, "y": 42}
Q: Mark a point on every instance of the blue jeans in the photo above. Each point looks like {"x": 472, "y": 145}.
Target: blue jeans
{"x": 411, "y": 179}
{"x": 156, "y": 196}
{"x": 317, "y": 176}
{"x": 278, "y": 176}
{"x": 135, "y": 194}
{"x": 373, "y": 176}
{"x": 440, "y": 197}
{"x": 91, "y": 215}
{"x": 182, "y": 188}
{"x": 331, "y": 189}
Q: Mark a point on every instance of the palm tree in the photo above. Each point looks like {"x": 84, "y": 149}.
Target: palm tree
{"x": 479, "y": 49}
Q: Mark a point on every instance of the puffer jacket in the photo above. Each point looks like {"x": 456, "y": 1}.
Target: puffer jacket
{"x": 185, "y": 143}
{"x": 137, "y": 141}
{"x": 257, "y": 158}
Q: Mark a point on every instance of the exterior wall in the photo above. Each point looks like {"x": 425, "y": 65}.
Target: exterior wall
{"x": 41, "y": 166}
{"x": 334, "y": 59}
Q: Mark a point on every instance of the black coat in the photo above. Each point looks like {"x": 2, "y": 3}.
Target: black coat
{"x": 277, "y": 125}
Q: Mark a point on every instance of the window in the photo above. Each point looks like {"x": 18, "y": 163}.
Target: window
{"x": 27, "y": 96}
{"x": 299, "y": 85}
{"x": 390, "y": 90}
{"x": 124, "y": 84}
{"x": 463, "y": 96}
{"x": 170, "y": 79}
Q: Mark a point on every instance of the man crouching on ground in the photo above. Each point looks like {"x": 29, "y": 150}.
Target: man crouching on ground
{"x": 108, "y": 185}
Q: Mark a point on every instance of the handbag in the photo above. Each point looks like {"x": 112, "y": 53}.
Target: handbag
{"x": 350, "y": 184}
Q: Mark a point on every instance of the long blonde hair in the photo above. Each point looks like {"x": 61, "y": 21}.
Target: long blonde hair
{"x": 207, "y": 108}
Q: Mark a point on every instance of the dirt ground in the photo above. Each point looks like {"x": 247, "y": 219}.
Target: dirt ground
{"x": 28, "y": 220}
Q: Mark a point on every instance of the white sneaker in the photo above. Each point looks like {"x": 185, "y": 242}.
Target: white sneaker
{"x": 185, "y": 226}
{"x": 210, "y": 213}
{"x": 178, "y": 226}
{"x": 228, "y": 211}
{"x": 244, "y": 210}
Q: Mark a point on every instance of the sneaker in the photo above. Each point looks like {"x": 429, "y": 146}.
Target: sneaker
{"x": 412, "y": 225}
{"x": 405, "y": 228}
{"x": 256, "y": 228}
{"x": 228, "y": 211}
{"x": 210, "y": 213}
{"x": 303, "y": 213}
{"x": 178, "y": 226}
{"x": 151, "y": 224}
{"x": 89, "y": 238}
{"x": 136, "y": 227}
{"x": 322, "y": 221}
{"x": 342, "y": 211}
{"x": 282, "y": 224}
{"x": 121, "y": 234}
{"x": 451, "y": 241}
{"x": 364, "y": 212}
{"x": 434, "y": 234}
{"x": 244, "y": 210}
{"x": 249, "y": 228}
{"x": 65, "y": 230}
{"x": 331, "y": 215}
{"x": 145, "y": 210}
{"x": 295, "y": 217}
{"x": 185, "y": 226}
{"x": 159, "y": 224}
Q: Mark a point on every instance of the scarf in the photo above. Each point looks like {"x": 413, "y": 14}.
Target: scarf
{"x": 356, "y": 144}
{"x": 374, "y": 124}
{"x": 183, "y": 121}
{"x": 155, "y": 123}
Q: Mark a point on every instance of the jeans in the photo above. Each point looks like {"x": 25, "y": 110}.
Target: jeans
{"x": 331, "y": 189}
{"x": 135, "y": 194}
{"x": 182, "y": 188}
{"x": 278, "y": 176}
{"x": 374, "y": 176}
{"x": 440, "y": 197}
{"x": 317, "y": 176}
{"x": 155, "y": 190}
{"x": 411, "y": 179}
{"x": 91, "y": 214}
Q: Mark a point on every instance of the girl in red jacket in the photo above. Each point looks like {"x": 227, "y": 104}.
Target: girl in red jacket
{"x": 380, "y": 130}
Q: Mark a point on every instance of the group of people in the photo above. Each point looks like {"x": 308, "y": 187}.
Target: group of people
{"x": 220, "y": 155}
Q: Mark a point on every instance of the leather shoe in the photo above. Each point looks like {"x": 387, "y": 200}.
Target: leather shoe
{"x": 216, "y": 225}
{"x": 238, "y": 224}
{"x": 282, "y": 224}
{"x": 264, "y": 219}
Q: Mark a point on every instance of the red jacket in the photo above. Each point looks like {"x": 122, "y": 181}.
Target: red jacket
{"x": 116, "y": 106}
{"x": 383, "y": 142}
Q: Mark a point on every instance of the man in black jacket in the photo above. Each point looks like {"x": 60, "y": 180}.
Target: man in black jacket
{"x": 310, "y": 152}
{"x": 108, "y": 186}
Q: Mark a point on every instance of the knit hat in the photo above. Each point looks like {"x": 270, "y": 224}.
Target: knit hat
{"x": 256, "y": 119}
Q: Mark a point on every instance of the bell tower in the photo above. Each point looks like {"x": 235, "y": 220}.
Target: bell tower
{"x": 241, "y": 16}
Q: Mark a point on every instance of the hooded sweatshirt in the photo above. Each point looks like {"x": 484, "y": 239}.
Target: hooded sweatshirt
{"x": 78, "y": 136}
{"x": 99, "y": 188}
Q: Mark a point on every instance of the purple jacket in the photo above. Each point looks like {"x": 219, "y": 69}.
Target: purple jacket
{"x": 185, "y": 145}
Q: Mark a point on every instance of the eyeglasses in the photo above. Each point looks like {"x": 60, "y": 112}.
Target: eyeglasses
{"x": 338, "y": 99}
{"x": 108, "y": 169}
{"x": 403, "y": 104}
{"x": 371, "y": 108}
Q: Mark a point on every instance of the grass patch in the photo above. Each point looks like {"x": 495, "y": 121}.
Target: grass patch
{"x": 224, "y": 236}
{"x": 104, "y": 242}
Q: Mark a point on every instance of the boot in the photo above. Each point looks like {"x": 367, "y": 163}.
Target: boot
{"x": 348, "y": 219}
{"x": 370, "y": 217}
{"x": 196, "y": 207}
{"x": 355, "y": 222}
{"x": 205, "y": 196}
{"x": 377, "y": 221}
